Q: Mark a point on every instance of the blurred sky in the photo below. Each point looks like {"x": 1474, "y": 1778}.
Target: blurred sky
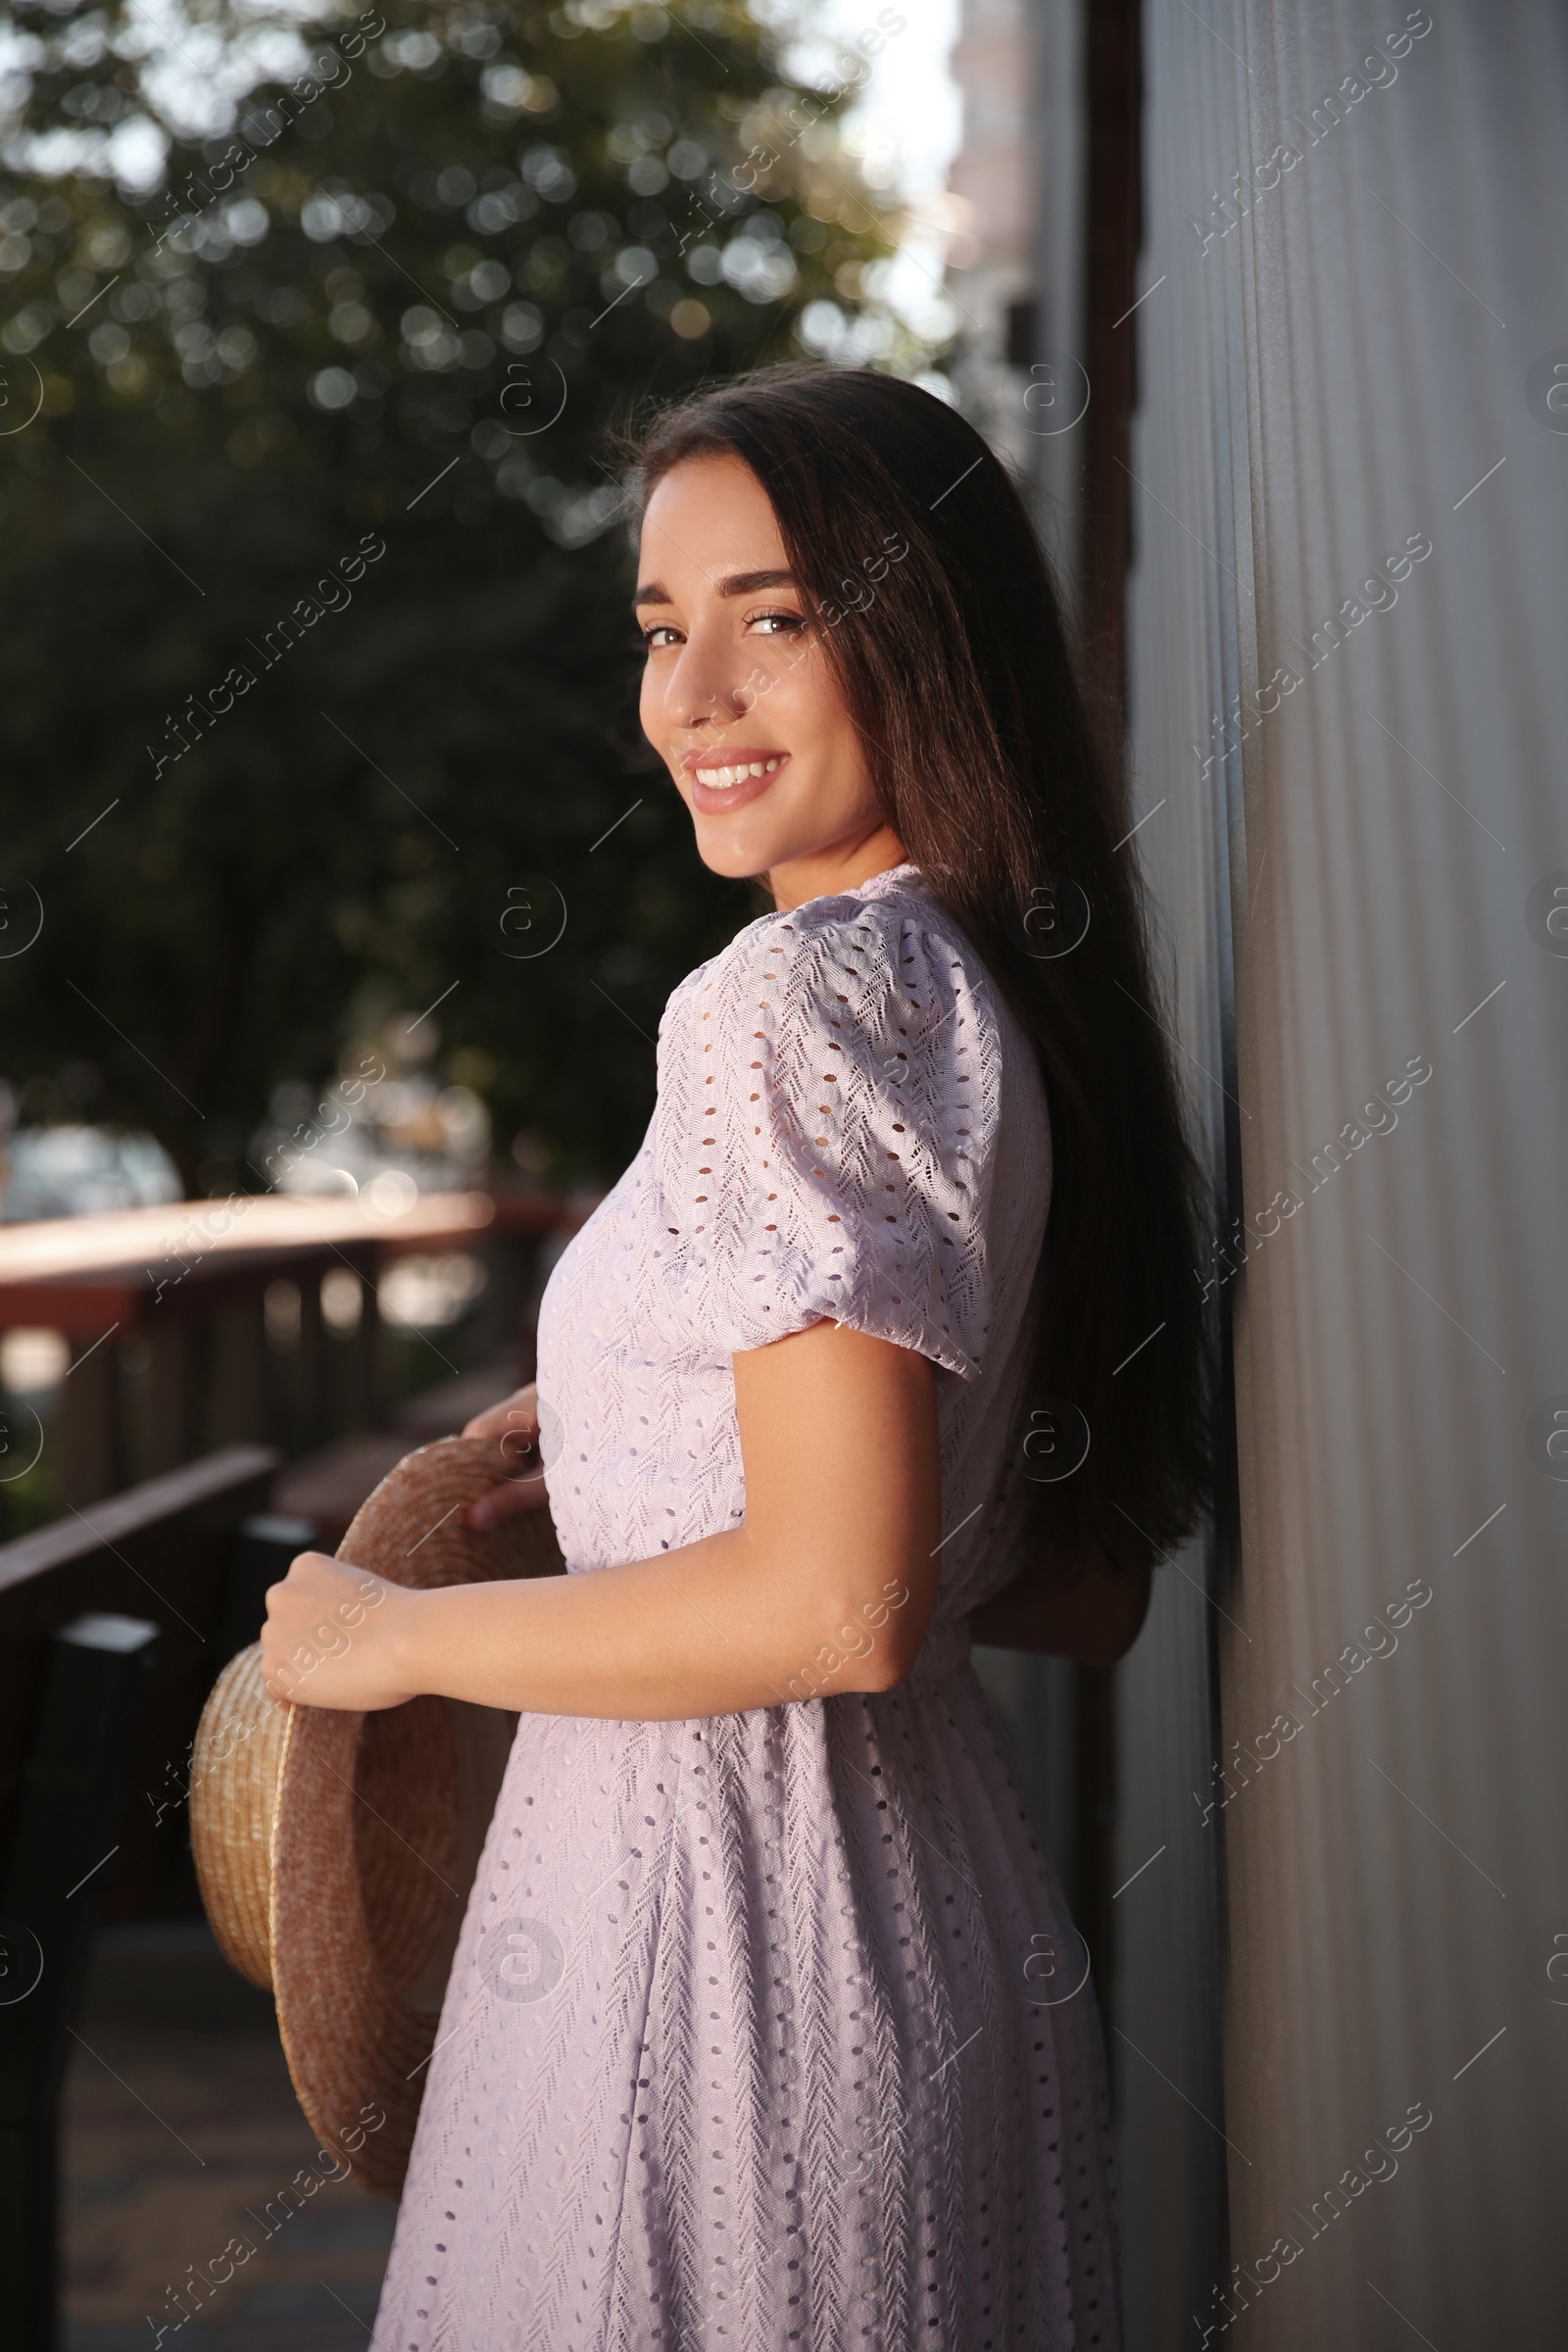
{"x": 909, "y": 114}
{"x": 904, "y": 128}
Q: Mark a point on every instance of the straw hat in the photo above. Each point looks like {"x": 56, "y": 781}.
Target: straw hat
{"x": 336, "y": 1850}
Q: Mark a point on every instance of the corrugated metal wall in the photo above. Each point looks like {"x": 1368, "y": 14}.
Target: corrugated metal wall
{"x": 1352, "y": 514}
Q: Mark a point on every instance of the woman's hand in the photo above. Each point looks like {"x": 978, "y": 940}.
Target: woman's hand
{"x": 330, "y": 1636}
{"x": 515, "y": 1423}
{"x": 1096, "y": 1617}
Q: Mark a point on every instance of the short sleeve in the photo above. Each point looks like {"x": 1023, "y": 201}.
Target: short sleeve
{"x": 824, "y": 1137}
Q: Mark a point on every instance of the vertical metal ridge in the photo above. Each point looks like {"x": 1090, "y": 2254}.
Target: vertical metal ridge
{"x": 1318, "y": 385}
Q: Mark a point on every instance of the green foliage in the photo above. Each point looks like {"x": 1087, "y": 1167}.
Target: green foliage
{"x": 317, "y": 758}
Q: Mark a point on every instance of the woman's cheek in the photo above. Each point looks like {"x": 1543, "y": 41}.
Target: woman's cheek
{"x": 647, "y": 707}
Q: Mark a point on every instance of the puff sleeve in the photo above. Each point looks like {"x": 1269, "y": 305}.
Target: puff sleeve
{"x": 825, "y": 1132}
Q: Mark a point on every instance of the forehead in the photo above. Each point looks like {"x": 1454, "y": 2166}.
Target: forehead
{"x": 707, "y": 515}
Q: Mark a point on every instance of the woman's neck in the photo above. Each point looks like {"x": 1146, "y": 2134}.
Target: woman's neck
{"x": 842, "y": 865}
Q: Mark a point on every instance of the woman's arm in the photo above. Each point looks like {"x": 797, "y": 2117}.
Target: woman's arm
{"x": 826, "y": 1584}
{"x": 1094, "y": 1618}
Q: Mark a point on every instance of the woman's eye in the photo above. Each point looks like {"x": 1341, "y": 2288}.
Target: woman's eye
{"x": 660, "y": 635}
{"x": 776, "y": 624}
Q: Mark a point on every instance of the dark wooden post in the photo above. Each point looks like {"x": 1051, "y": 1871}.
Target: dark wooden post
{"x": 264, "y": 1547}
{"x": 237, "y": 1411}
{"x": 313, "y": 1409}
{"x": 1114, "y": 230}
{"x": 363, "y": 1385}
{"x": 66, "y": 1835}
{"x": 165, "y": 1406}
{"x": 89, "y": 1414}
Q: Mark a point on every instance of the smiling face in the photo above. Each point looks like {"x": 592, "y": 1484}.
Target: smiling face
{"x": 739, "y": 699}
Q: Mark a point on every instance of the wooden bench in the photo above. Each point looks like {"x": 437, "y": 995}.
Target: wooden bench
{"x": 112, "y": 1623}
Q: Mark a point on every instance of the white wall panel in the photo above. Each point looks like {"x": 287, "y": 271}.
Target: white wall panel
{"x": 1339, "y": 373}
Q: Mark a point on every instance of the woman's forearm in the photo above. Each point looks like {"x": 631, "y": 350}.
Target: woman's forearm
{"x": 713, "y": 1629}
{"x": 826, "y": 1584}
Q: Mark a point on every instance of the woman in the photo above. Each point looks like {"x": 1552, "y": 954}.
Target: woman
{"x": 760, "y": 2032}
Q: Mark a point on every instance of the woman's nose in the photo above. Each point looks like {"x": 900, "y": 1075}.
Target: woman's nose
{"x": 709, "y": 681}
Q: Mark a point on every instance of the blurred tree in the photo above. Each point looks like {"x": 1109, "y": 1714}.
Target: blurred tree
{"x": 317, "y": 633}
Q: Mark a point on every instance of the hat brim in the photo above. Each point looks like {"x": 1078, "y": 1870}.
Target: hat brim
{"x": 373, "y": 1825}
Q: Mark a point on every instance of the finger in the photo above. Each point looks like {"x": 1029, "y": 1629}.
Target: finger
{"x": 519, "y": 1410}
{"x": 302, "y": 1567}
{"x": 502, "y": 1421}
{"x": 279, "y": 1683}
{"x": 508, "y": 1500}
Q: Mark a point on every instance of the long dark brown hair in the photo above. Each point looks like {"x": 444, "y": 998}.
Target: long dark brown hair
{"x": 955, "y": 664}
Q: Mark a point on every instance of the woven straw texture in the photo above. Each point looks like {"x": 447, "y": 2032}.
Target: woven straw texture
{"x": 233, "y": 1795}
{"x": 335, "y": 1850}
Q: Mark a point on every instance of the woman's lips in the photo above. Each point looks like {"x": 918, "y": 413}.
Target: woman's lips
{"x": 724, "y": 782}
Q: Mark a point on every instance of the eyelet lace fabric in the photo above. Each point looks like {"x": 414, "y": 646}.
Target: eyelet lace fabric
{"x": 770, "y": 2029}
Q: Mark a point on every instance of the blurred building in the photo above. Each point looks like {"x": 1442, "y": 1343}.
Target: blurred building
{"x": 74, "y": 1170}
{"x": 996, "y": 180}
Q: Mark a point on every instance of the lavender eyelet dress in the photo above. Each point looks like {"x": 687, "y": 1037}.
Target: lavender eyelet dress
{"x": 759, "y": 2032}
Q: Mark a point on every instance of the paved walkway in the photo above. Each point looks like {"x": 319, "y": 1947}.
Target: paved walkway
{"x": 180, "y": 2128}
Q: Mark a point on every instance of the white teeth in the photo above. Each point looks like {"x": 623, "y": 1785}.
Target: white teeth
{"x": 720, "y": 779}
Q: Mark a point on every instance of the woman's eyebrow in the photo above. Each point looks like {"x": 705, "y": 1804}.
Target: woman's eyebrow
{"x": 735, "y": 583}
{"x": 746, "y": 583}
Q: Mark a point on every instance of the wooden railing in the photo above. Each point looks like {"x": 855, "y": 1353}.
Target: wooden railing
{"x": 117, "y": 1616}
{"x": 165, "y": 1312}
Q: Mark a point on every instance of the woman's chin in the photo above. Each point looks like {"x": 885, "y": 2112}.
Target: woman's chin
{"x": 727, "y": 855}
{"x": 727, "y": 844}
